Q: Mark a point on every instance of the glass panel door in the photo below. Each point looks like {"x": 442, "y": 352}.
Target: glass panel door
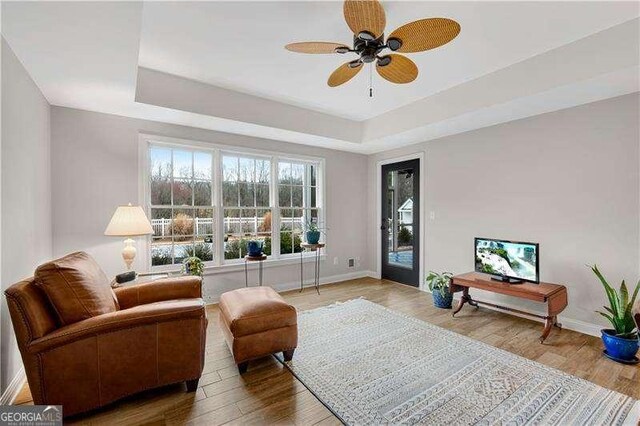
{"x": 400, "y": 227}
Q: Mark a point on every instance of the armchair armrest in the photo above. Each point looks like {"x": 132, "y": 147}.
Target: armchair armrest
{"x": 186, "y": 287}
{"x": 118, "y": 320}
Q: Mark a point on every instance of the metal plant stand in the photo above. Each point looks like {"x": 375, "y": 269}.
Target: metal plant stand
{"x": 316, "y": 278}
{"x": 248, "y": 259}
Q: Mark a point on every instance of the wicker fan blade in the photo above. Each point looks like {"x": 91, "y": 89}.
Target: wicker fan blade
{"x": 365, "y": 15}
{"x": 400, "y": 70}
{"x": 425, "y": 34}
{"x": 343, "y": 74}
{"x": 314, "y": 47}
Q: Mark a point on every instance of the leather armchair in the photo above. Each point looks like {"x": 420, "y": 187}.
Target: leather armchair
{"x": 156, "y": 337}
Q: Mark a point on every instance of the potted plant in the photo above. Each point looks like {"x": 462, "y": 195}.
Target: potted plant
{"x": 193, "y": 266}
{"x": 621, "y": 342}
{"x": 254, "y": 248}
{"x": 313, "y": 232}
{"x": 439, "y": 287}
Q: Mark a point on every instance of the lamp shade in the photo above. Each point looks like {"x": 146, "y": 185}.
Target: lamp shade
{"x": 129, "y": 221}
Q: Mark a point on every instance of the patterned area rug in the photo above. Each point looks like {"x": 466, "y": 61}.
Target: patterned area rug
{"x": 372, "y": 365}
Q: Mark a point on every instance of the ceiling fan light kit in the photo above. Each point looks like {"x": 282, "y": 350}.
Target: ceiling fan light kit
{"x": 366, "y": 19}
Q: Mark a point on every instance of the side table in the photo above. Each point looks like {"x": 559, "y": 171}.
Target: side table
{"x": 314, "y": 248}
{"x": 145, "y": 277}
{"x": 258, "y": 259}
{"x": 554, "y": 296}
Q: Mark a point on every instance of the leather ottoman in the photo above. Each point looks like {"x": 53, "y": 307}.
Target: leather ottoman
{"x": 257, "y": 322}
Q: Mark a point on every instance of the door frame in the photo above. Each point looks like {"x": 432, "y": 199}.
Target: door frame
{"x": 419, "y": 156}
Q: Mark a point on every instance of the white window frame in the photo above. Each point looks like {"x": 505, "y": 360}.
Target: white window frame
{"x": 217, "y": 150}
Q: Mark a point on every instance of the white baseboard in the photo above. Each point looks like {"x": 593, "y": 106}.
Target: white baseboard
{"x": 295, "y": 285}
{"x": 323, "y": 281}
{"x": 580, "y": 326}
{"x": 14, "y": 388}
{"x": 568, "y": 323}
{"x": 375, "y": 274}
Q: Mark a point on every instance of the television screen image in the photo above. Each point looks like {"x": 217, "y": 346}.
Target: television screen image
{"x": 508, "y": 259}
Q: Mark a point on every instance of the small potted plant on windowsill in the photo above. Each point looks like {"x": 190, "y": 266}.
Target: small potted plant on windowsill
{"x": 621, "y": 343}
{"x": 439, "y": 287}
{"x": 193, "y": 266}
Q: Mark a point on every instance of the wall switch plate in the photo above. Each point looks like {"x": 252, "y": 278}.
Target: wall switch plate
{"x": 432, "y": 215}
{"x": 352, "y": 263}
{"x": 335, "y": 260}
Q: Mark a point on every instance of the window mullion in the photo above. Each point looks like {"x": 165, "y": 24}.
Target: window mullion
{"x": 275, "y": 209}
{"x": 173, "y": 243}
{"x": 218, "y": 211}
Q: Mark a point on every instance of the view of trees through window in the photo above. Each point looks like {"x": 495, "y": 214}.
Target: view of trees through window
{"x": 246, "y": 201}
{"x": 182, "y": 205}
{"x": 297, "y": 201}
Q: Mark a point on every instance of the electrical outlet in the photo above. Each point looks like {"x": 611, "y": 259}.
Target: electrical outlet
{"x": 352, "y": 263}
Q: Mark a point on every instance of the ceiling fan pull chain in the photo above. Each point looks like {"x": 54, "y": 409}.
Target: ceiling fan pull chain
{"x": 371, "y": 80}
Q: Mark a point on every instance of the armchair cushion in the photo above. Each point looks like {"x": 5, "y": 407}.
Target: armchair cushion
{"x": 128, "y": 318}
{"x": 186, "y": 287}
{"x": 76, "y": 287}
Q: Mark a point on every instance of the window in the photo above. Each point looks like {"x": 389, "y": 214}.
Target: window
{"x": 181, "y": 205}
{"x": 246, "y": 204}
{"x": 209, "y": 201}
{"x": 297, "y": 202}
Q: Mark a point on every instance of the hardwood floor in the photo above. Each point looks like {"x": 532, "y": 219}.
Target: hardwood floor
{"x": 268, "y": 393}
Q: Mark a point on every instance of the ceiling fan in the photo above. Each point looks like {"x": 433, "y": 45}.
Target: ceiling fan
{"x": 366, "y": 18}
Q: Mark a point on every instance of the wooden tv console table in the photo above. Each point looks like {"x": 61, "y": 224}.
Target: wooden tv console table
{"x": 553, "y": 295}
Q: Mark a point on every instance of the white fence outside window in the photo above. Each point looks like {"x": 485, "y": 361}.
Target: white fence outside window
{"x": 204, "y": 226}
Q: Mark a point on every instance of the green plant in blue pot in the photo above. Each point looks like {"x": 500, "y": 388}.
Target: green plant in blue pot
{"x": 254, "y": 248}
{"x": 313, "y": 232}
{"x": 439, "y": 287}
{"x": 621, "y": 342}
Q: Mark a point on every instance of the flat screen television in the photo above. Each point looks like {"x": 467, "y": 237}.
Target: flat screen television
{"x": 510, "y": 261}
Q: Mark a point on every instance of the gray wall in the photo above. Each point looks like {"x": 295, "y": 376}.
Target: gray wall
{"x": 568, "y": 180}
{"x": 26, "y": 191}
{"x": 95, "y": 169}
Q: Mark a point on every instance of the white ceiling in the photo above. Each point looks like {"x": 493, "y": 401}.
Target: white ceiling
{"x": 222, "y": 65}
{"x": 239, "y": 46}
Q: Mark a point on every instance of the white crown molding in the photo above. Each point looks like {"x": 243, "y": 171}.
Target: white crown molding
{"x": 103, "y": 74}
{"x": 564, "y": 77}
{"x": 173, "y": 92}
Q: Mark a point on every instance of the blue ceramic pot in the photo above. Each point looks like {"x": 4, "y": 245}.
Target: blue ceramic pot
{"x": 441, "y": 301}
{"x": 254, "y": 248}
{"x": 617, "y": 347}
{"x": 313, "y": 237}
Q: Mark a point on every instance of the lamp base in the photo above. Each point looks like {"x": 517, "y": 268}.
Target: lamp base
{"x": 129, "y": 252}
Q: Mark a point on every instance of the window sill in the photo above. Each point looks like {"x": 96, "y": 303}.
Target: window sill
{"x": 237, "y": 266}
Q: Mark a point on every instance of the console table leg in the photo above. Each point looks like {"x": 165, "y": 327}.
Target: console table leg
{"x": 548, "y": 323}
{"x": 464, "y": 299}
